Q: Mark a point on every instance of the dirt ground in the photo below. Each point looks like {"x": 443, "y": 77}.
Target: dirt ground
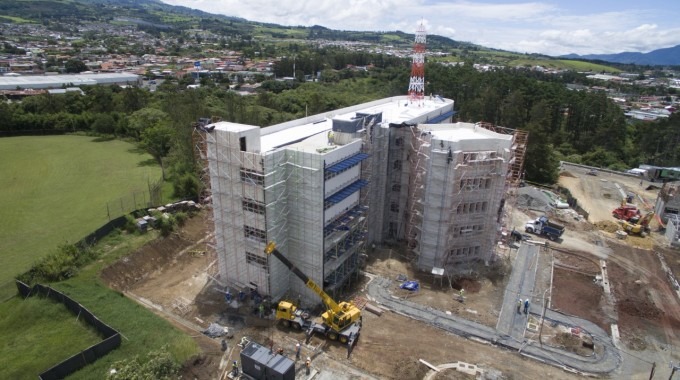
{"x": 599, "y": 194}
{"x": 483, "y": 299}
{"x": 172, "y": 277}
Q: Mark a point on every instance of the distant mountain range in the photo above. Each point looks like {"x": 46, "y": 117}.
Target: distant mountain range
{"x": 661, "y": 57}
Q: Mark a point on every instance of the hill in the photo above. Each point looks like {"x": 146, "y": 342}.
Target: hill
{"x": 667, "y": 56}
{"x": 161, "y": 19}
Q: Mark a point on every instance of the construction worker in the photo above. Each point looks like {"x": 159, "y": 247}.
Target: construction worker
{"x": 280, "y": 351}
{"x": 262, "y": 310}
{"x": 308, "y": 364}
{"x": 519, "y": 306}
{"x": 297, "y": 350}
{"x": 461, "y": 293}
{"x": 234, "y": 368}
{"x": 526, "y": 306}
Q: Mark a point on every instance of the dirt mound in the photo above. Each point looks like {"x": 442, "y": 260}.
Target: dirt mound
{"x": 607, "y": 226}
{"x": 567, "y": 174}
{"x": 154, "y": 256}
{"x": 639, "y": 308}
{"x": 532, "y": 198}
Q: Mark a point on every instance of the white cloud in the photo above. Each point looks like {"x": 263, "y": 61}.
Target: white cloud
{"x": 534, "y": 26}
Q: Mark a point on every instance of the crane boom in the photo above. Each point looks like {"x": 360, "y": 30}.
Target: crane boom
{"x": 327, "y": 300}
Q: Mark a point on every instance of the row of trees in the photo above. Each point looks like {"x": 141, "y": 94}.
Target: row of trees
{"x": 577, "y": 126}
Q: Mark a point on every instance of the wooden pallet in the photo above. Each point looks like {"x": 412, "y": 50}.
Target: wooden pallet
{"x": 360, "y": 302}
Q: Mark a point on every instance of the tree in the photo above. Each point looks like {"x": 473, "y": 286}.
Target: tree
{"x": 75, "y": 66}
{"x": 145, "y": 118}
{"x": 157, "y": 141}
{"x": 104, "y": 123}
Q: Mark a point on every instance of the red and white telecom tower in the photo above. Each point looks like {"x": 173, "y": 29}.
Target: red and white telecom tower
{"x": 416, "y": 86}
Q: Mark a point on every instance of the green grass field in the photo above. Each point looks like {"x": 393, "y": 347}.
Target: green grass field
{"x": 55, "y": 189}
{"x": 142, "y": 330}
{"x": 38, "y": 333}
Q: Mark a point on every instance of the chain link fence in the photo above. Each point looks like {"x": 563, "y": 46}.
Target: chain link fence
{"x": 7, "y": 290}
{"x": 137, "y": 200}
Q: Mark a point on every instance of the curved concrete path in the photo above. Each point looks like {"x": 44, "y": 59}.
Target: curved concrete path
{"x": 507, "y": 331}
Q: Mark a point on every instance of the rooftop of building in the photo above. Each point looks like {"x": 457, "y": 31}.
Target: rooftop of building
{"x": 55, "y": 81}
{"x": 311, "y": 133}
{"x": 462, "y": 131}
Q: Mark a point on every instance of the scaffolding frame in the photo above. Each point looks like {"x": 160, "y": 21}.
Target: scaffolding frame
{"x": 419, "y": 162}
{"x": 450, "y": 181}
{"x": 236, "y": 227}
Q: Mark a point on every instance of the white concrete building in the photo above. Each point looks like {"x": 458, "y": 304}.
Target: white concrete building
{"x": 69, "y": 80}
{"x": 323, "y": 187}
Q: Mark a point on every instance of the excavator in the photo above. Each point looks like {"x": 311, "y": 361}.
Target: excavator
{"x": 341, "y": 321}
{"x": 640, "y": 228}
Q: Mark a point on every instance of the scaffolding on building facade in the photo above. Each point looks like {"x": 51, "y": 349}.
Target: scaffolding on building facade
{"x": 455, "y": 199}
{"x": 478, "y": 188}
{"x": 237, "y": 196}
{"x": 419, "y": 161}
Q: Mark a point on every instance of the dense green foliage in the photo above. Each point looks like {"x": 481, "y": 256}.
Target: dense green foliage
{"x": 578, "y": 126}
{"x": 59, "y": 265}
{"x": 157, "y": 365}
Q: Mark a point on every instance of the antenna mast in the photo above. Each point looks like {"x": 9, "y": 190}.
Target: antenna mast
{"x": 416, "y": 86}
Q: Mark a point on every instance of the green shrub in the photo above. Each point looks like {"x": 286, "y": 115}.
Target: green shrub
{"x": 59, "y": 265}
{"x": 130, "y": 224}
{"x": 165, "y": 223}
{"x": 156, "y": 365}
{"x": 181, "y": 218}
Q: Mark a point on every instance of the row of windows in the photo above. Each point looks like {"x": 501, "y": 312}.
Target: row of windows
{"x": 394, "y": 207}
{"x": 255, "y": 234}
{"x": 254, "y": 259}
{"x": 252, "y": 177}
{"x": 467, "y": 157}
{"x": 472, "y": 207}
{"x": 466, "y": 230}
{"x": 465, "y": 251}
{"x": 475, "y": 183}
{"x": 396, "y": 187}
{"x": 253, "y": 206}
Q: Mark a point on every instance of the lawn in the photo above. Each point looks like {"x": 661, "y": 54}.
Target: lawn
{"x": 55, "y": 189}
{"x": 142, "y": 330}
{"x": 38, "y": 333}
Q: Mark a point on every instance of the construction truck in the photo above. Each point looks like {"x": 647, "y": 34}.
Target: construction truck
{"x": 641, "y": 227}
{"x": 542, "y": 226}
{"x": 626, "y": 211}
{"x": 341, "y": 321}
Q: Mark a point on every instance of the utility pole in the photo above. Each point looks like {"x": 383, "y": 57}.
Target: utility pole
{"x": 673, "y": 369}
{"x": 540, "y": 330}
{"x": 651, "y": 374}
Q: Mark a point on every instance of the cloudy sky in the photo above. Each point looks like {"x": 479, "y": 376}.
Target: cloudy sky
{"x": 548, "y": 27}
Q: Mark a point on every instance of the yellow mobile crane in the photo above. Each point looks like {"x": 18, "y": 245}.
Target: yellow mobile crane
{"x": 339, "y": 322}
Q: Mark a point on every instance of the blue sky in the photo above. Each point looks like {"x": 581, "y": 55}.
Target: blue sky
{"x": 548, "y": 27}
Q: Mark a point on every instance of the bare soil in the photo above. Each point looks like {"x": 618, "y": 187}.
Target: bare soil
{"x": 173, "y": 275}
{"x": 577, "y": 294}
{"x": 483, "y": 290}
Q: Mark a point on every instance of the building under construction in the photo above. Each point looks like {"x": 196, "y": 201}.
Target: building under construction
{"x": 326, "y": 186}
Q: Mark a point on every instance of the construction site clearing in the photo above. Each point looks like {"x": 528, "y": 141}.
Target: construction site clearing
{"x": 596, "y": 301}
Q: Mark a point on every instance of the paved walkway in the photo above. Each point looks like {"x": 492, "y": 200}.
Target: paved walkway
{"x": 520, "y": 287}
{"x": 509, "y": 332}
